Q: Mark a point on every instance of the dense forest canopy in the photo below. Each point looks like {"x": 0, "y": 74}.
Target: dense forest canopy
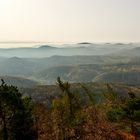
{"x": 70, "y": 115}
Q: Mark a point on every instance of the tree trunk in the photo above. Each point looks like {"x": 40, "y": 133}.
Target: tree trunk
{"x": 5, "y": 131}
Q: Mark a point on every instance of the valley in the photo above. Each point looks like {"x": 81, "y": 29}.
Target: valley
{"x": 78, "y": 63}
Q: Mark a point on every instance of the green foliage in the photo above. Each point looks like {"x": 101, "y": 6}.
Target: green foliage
{"x": 16, "y": 114}
{"x": 132, "y": 107}
{"x": 110, "y": 96}
{"x": 67, "y": 113}
{"x": 115, "y": 114}
{"x": 91, "y": 96}
{"x": 127, "y": 112}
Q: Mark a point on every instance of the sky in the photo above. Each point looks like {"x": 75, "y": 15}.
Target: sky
{"x": 70, "y": 20}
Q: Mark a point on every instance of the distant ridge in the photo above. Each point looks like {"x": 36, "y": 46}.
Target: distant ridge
{"x": 85, "y": 43}
{"x": 83, "y": 48}
{"x": 46, "y": 47}
{"x": 120, "y": 44}
{"x": 18, "y": 81}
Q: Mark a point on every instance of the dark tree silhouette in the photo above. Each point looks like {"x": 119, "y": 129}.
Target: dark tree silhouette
{"x": 15, "y": 114}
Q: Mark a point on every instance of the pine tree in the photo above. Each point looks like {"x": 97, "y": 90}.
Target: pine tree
{"x": 126, "y": 112}
{"x": 16, "y": 114}
{"x": 67, "y": 113}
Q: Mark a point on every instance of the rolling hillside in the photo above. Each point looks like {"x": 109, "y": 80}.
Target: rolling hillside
{"x": 116, "y": 73}
{"x": 82, "y": 62}
{"x": 73, "y": 74}
{"x": 129, "y": 78}
{"x": 26, "y": 67}
{"x": 19, "y": 82}
{"x": 73, "y": 68}
{"x": 46, "y": 93}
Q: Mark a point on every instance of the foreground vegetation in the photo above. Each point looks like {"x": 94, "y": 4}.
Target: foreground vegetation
{"x": 70, "y": 115}
{"x": 16, "y": 119}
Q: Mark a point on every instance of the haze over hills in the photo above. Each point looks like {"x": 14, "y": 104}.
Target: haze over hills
{"x": 69, "y": 70}
{"x": 84, "y": 48}
{"x": 82, "y": 62}
{"x": 19, "y": 82}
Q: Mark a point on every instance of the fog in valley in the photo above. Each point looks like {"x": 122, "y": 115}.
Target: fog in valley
{"x": 81, "y": 62}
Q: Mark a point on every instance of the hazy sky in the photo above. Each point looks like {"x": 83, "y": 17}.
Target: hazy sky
{"x": 70, "y": 20}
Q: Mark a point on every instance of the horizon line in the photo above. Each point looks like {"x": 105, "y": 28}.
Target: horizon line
{"x": 10, "y": 42}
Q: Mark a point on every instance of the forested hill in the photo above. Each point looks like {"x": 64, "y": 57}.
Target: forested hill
{"x": 19, "y": 82}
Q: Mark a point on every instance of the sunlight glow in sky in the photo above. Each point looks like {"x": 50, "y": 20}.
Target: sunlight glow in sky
{"x": 70, "y": 20}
